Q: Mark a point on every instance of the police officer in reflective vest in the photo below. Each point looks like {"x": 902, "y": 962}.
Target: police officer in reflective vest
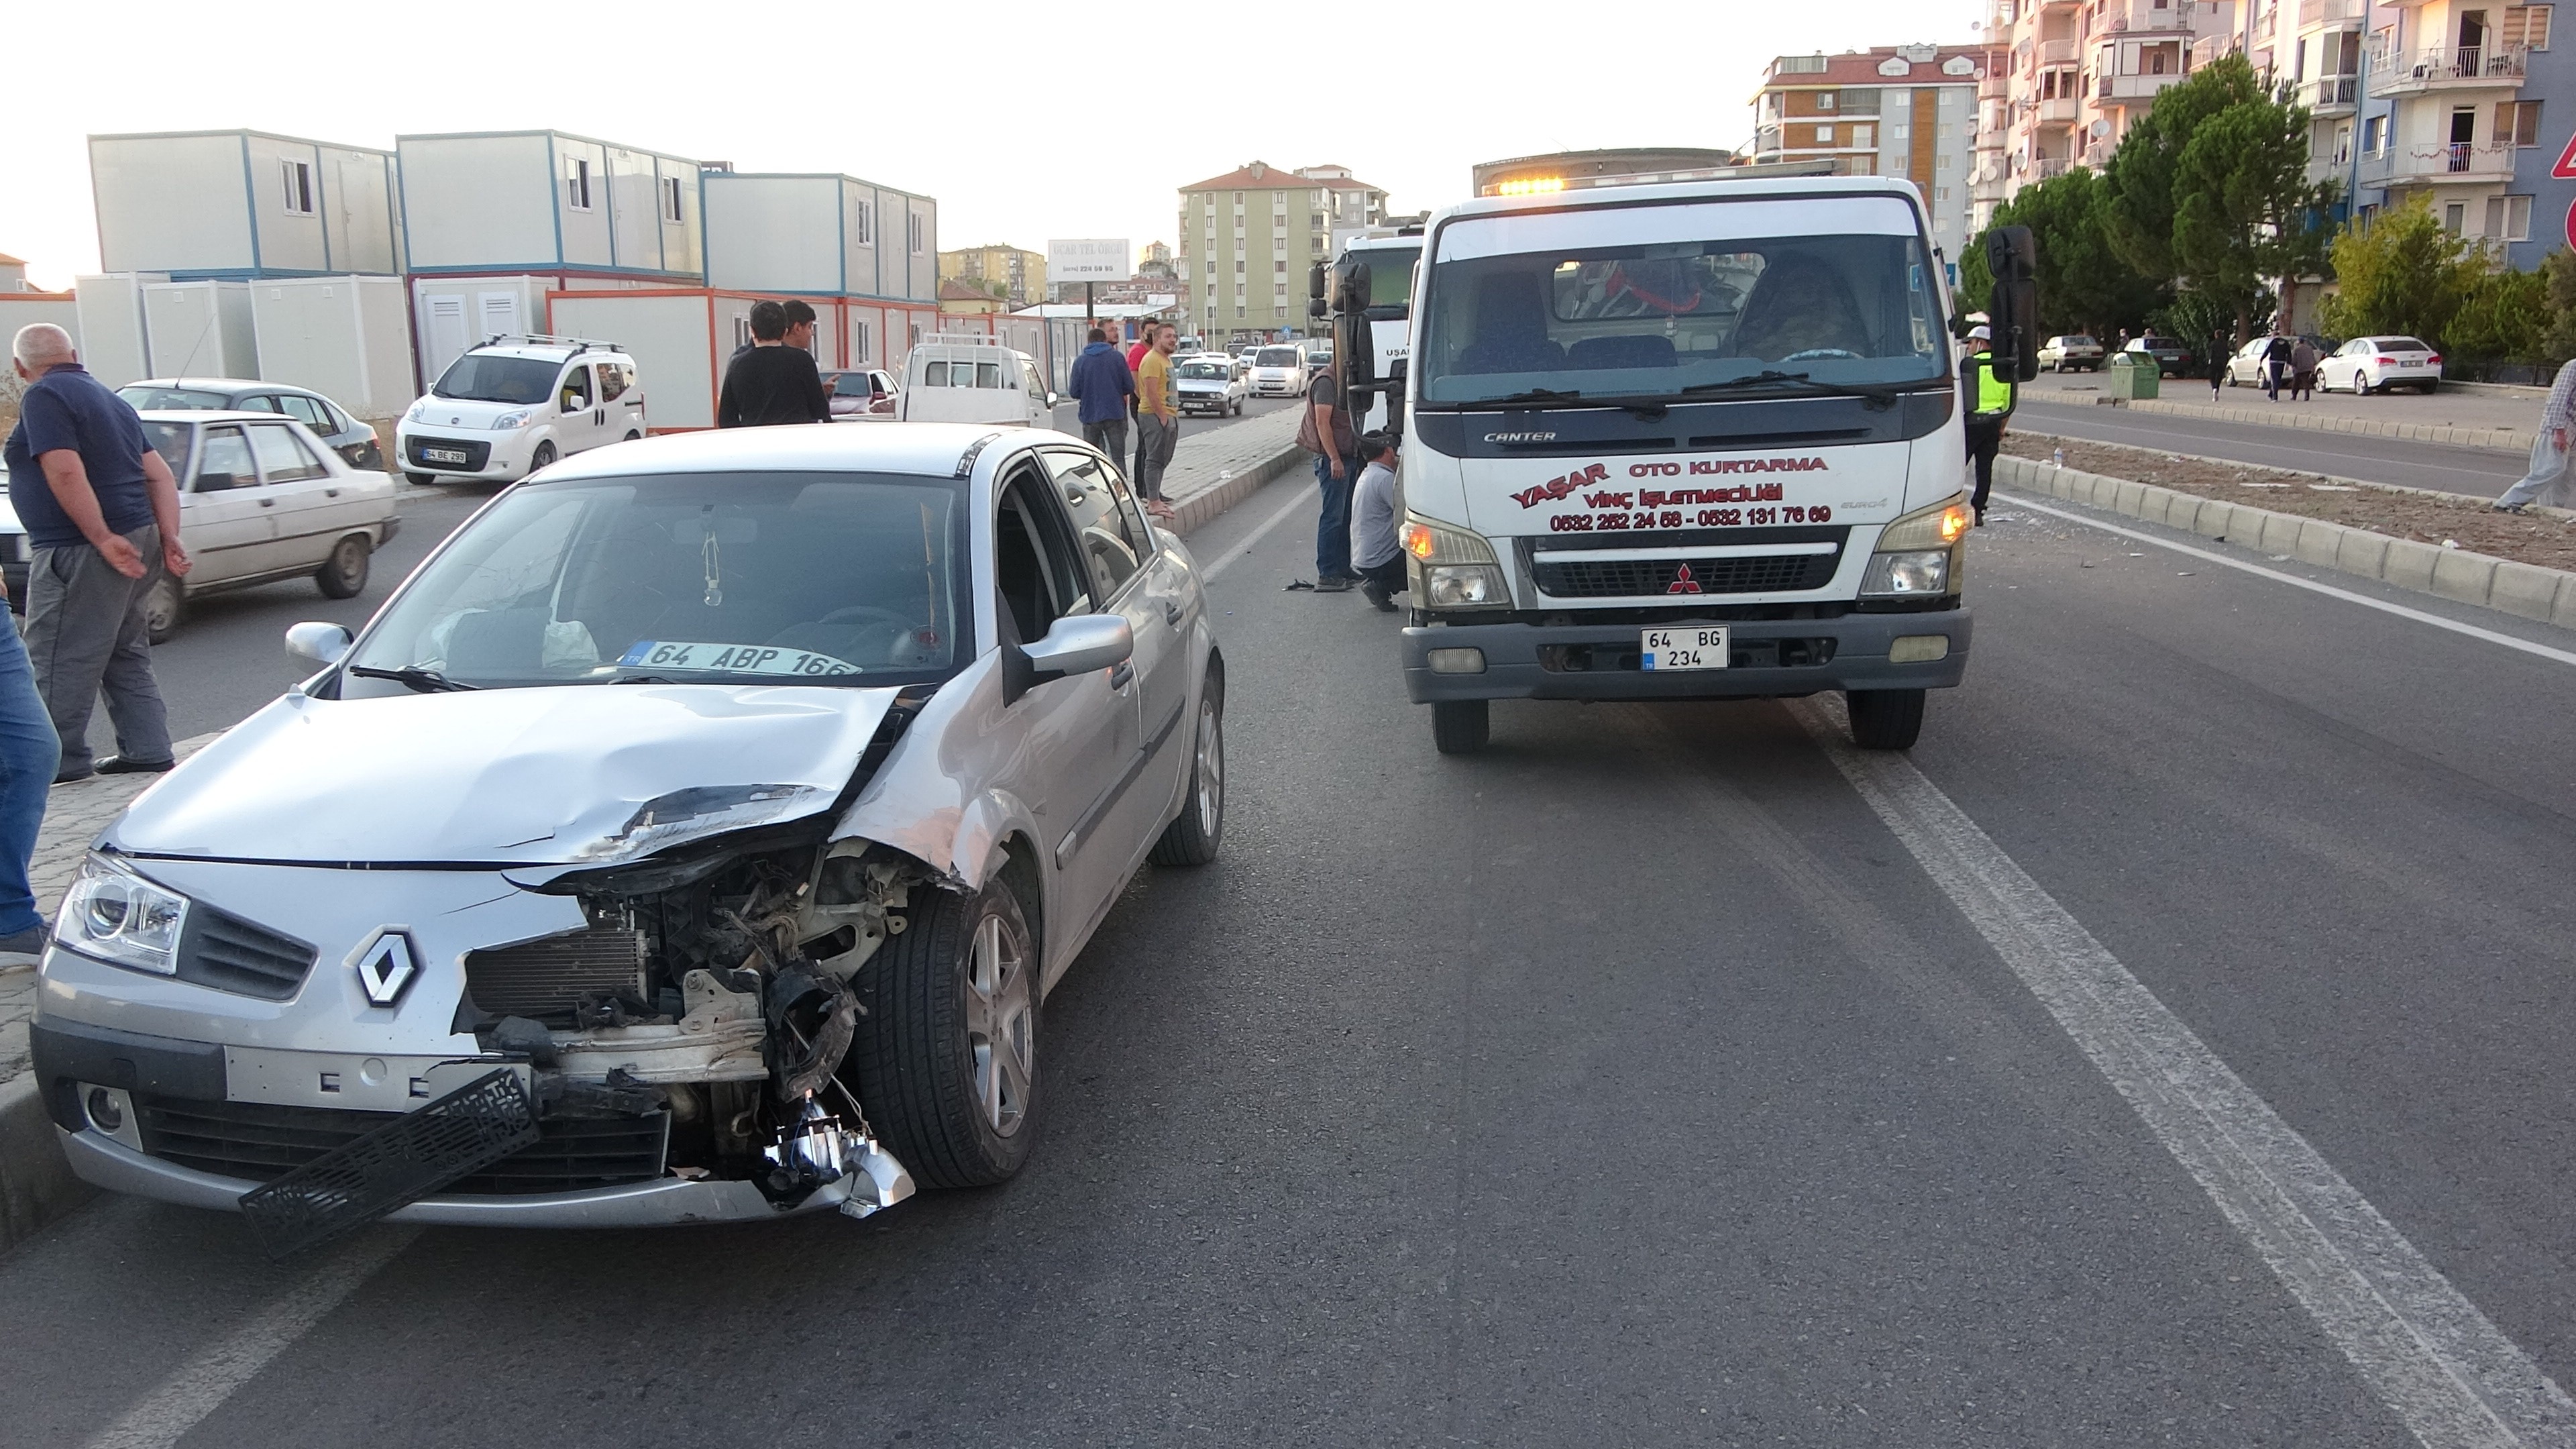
{"x": 1987, "y": 402}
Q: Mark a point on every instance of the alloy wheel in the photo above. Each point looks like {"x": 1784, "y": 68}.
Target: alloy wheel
{"x": 1000, "y": 1033}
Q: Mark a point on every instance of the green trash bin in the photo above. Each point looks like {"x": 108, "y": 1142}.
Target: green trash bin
{"x": 2132, "y": 375}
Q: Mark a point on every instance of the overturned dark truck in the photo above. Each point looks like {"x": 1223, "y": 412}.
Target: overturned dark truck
{"x": 694, "y": 838}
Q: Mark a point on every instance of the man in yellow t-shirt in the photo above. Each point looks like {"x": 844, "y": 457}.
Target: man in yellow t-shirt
{"x": 1158, "y": 420}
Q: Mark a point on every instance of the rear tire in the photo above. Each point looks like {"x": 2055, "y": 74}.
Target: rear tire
{"x": 1460, "y": 726}
{"x": 164, "y": 608}
{"x": 1194, "y": 835}
{"x": 344, "y": 574}
{"x": 1884, "y": 719}
{"x": 946, "y": 1056}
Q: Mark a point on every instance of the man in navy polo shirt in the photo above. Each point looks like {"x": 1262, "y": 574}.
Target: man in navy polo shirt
{"x": 102, "y": 511}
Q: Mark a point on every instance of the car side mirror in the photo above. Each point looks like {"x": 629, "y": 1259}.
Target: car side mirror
{"x": 575, "y": 403}
{"x": 1077, "y": 644}
{"x": 321, "y": 643}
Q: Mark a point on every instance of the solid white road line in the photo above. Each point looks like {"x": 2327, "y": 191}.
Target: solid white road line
{"x": 211, "y": 1375}
{"x": 2330, "y": 591}
{"x": 2429, "y": 1354}
{"x": 1210, "y": 573}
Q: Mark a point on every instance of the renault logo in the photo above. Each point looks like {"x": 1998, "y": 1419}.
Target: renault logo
{"x": 386, "y": 962}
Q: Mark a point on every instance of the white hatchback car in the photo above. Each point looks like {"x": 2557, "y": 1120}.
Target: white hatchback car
{"x": 260, "y": 499}
{"x": 2381, "y": 364}
{"x": 510, "y": 407}
{"x": 695, "y": 836}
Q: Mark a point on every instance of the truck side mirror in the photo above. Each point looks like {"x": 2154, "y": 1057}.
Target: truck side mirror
{"x": 2013, "y": 257}
{"x": 1315, "y": 286}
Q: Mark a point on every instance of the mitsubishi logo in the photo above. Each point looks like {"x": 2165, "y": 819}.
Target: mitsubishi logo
{"x": 386, "y": 964}
{"x": 1683, "y": 583}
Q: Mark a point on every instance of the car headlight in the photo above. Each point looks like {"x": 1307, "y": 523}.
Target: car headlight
{"x": 412, "y": 414}
{"x": 506, "y": 421}
{"x": 1452, "y": 568}
{"x": 121, "y": 918}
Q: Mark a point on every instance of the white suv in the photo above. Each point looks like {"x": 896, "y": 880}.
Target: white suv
{"x": 515, "y": 404}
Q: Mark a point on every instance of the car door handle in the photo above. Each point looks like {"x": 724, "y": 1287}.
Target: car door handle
{"x": 1122, "y": 675}
{"x": 1171, "y": 613}
{"x": 330, "y": 492}
{"x": 268, "y": 503}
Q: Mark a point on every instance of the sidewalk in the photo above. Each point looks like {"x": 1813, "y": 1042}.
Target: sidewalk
{"x": 1213, "y": 471}
{"x": 2454, "y": 418}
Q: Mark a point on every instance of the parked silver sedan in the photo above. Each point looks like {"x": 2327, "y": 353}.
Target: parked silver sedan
{"x": 694, "y": 836}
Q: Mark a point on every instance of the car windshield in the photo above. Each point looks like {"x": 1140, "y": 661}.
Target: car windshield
{"x": 2076, "y": 342}
{"x": 1659, "y": 301}
{"x": 170, "y": 440}
{"x": 852, "y": 384}
{"x": 1276, "y": 357}
{"x": 817, "y": 578}
{"x": 486, "y": 377}
{"x": 1216, "y": 370}
{"x": 145, "y": 397}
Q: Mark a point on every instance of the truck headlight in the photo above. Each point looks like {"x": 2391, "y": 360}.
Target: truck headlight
{"x": 1452, "y": 568}
{"x": 1917, "y": 556}
{"x": 506, "y": 421}
{"x": 121, "y": 918}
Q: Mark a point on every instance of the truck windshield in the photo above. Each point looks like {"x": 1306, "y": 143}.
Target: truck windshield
{"x": 1656, "y": 301}
{"x": 483, "y": 377}
{"x": 1390, "y": 280}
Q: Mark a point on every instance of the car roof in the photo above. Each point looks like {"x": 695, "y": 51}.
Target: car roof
{"x": 223, "y": 384}
{"x": 210, "y": 415}
{"x": 930, "y": 450}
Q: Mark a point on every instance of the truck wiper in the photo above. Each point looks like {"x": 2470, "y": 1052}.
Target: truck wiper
{"x": 1649, "y": 408}
{"x": 1880, "y": 397}
{"x": 419, "y": 681}
{"x": 1534, "y": 395}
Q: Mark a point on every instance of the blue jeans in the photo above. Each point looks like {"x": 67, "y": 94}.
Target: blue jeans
{"x": 29, "y": 753}
{"x": 1333, "y": 529}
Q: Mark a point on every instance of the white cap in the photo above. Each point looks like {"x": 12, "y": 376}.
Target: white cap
{"x": 1982, "y": 334}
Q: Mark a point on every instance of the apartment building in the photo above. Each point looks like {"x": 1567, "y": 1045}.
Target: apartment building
{"x": 1249, "y": 236}
{"x": 1899, "y": 110}
{"x": 1021, "y": 274}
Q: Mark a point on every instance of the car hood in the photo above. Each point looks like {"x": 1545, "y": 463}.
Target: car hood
{"x": 457, "y": 412}
{"x": 555, "y": 776}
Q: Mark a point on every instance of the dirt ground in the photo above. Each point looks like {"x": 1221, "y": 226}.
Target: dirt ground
{"x": 2426, "y": 517}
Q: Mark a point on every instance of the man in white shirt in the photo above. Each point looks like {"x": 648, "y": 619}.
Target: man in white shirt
{"x": 1374, "y": 550}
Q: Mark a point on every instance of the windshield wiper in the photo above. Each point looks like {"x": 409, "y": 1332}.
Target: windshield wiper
{"x": 420, "y": 681}
{"x": 1883, "y": 397}
{"x": 1534, "y": 395}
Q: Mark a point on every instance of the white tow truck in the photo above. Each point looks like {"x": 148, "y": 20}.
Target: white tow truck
{"x": 1688, "y": 441}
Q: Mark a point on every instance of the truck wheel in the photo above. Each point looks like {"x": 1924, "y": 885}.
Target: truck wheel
{"x": 344, "y": 574}
{"x": 1193, "y": 836}
{"x": 1884, "y": 719}
{"x": 946, "y": 1056}
{"x": 1460, "y": 726}
{"x": 163, "y": 608}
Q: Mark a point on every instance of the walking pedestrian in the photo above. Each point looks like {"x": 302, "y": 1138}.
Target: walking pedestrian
{"x": 2548, "y": 476}
{"x": 772, "y": 383}
{"x": 2276, "y": 365}
{"x": 1987, "y": 402}
{"x": 2303, "y": 371}
{"x": 1326, "y": 431}
{"x": 1374, "y": 549}
{"x": 101, "y": 511}
{"x": 1104, "y": 390}
{"x": 2221, "y": 348}
{"x": 1158, "y": 423}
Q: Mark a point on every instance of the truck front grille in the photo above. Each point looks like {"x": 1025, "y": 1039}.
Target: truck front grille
{"x": 545, "y": 979}
{"x": 260, "y": 1141}
{"x": 1569, "y": 575}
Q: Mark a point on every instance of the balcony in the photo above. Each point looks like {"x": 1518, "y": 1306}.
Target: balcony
{"x": 2458, "y": 163}
{"x": 2445, "y": 67}
{"x": 2122, "y": 90}
{"x": 2059, "y": 112}
{"x": 2049, "y": 166}
{"x": 2329, "y": 95}
{"x": 2313, "y": 13}
{"x": 2057, "y": 52}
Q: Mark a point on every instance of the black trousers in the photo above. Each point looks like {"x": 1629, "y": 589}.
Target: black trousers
{"x": 1984, "y": 441}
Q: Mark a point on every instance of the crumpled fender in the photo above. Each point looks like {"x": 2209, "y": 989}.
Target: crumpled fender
{"x": 926, "y": 799}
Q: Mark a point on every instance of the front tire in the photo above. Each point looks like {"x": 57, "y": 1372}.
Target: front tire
{"x": 1194, "y": 835}
{"x": 946, "y": 1056}
{"x": 544, "y": 455}
{"x": 164, "y": 608}
{"x": 1460, "y": 726}
{"x": 1884, "y": 719}
{"x": 420, "y": 480}
{"x": 344, "y": 574}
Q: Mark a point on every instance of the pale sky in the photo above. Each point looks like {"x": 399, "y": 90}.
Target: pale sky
{"x": 1025, "y": 121}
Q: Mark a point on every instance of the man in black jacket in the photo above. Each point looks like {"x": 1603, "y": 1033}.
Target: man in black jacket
{"x": 773, "y": 382}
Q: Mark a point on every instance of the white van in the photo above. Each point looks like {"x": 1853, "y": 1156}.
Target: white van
{"x": 1279, "y": 370}
{"x": 967, "y": 381}
{"x": 515, "y": 404}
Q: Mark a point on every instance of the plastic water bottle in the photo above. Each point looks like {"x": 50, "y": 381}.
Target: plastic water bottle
{"x": 2059, "y": 459}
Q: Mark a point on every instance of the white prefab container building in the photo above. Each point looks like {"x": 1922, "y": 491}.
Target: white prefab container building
{"x": 348, "y": 338}
{"x": 114, "y": 343}
{"x": 19, "y": 309}
{"x": 200, "y": 329}
{"x": 238, "y": 204}
{"x": 820, "y": 235}
{"x": 544, "y": 201}
{"x": 452, "y": 314}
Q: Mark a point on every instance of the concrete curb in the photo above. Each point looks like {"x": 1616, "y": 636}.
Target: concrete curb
{"x": 36, "y": 1182}
{"x": 1200, "y": 508}
{"x": 2502, "y": 440}
{"x": 2525, "y": 590}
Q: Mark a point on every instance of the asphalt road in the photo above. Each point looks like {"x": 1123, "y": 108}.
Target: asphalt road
{"x": 1637, "y": 1082}
{"x": 2478, "y": 471}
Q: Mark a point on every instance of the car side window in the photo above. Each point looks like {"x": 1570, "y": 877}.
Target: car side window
{"x": 226, "y": 462}
{"x": 309, "y": 412}
{"x": 1033, "y": 558}
{"x": 260, "y": 404}
{"x": 1113, "y": 544}
{"x": 612, "y": 381}
{"x": 988, "y": 374}
{"x": 575, "y": 394}
{"x": 283, "y": 458}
